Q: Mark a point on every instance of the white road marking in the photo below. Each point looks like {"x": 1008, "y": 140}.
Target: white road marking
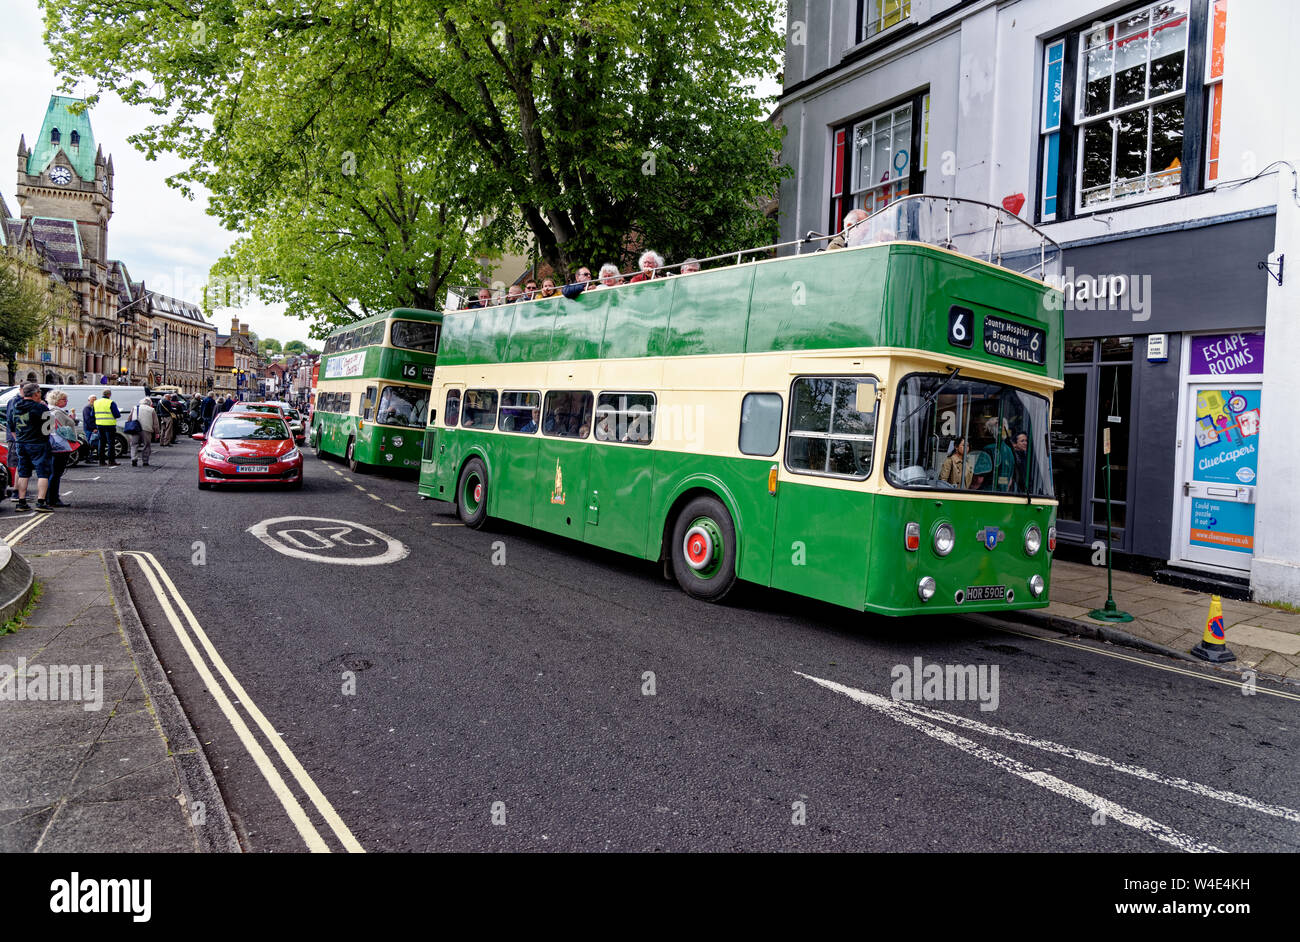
{"x": 346, "y": 478}
{"x": 895, "y": 711}
{"x": 326, "y": 538}
{"x": 1119, "y": 655}
{"x": 373, "y": 496}
{"x": 457, "y": 524}
{"x": 295, "y": 810}
{"x": 96, "y": 477}
{"x": 395, "y": 507}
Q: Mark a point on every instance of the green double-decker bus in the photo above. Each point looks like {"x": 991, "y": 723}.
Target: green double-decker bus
{"x": 372, "y": 393}
{"x": 868, "y": 426}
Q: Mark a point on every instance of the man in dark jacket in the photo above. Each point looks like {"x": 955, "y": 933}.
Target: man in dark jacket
{"x": 32, "y": 439}
{"x": 207, "y": 411}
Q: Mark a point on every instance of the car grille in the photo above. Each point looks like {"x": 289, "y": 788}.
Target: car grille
{"x": 248, "y": 460}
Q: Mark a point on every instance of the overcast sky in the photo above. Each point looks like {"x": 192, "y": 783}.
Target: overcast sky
{"x": 163, "y": 238}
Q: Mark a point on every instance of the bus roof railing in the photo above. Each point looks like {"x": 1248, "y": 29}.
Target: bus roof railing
{"x": 968, "y": 227}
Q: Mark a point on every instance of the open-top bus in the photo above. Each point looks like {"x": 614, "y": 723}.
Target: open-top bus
{"x": 792, "y": 421}
{"x": 372, "y": 393}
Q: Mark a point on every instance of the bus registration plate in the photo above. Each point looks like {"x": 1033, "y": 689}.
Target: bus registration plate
{"x": 985, "y": 593}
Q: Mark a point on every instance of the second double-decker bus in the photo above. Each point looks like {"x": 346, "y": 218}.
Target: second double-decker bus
{"x": 372, "y": 393}
{"x": 867, "y": 426}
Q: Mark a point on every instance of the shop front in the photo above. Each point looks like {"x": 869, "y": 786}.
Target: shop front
{"x": 1164, "y": 343}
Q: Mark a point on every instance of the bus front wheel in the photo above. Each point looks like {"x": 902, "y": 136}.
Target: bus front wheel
{"x": 355, "y": 466}
{"x": 471, "y": 494}
{"x": 704, "y": 549}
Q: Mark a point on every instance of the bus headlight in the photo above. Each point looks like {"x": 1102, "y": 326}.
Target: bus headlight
{"x": 1036, "y": 585}
{"x": 944, "y": 539}
{"x": 1033, "y": 540}
{"x": 925, "y": 588}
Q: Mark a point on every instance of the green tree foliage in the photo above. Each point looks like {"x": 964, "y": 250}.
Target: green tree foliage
{"x": 268, "y": 347}
{"x": 29, "y": 301}
{"x": 297, "y": 346}
{"x": 372, "y": 149}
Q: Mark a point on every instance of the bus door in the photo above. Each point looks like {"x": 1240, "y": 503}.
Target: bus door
{"x": 559, "y": 487}
{"x": 620, "y": 477}
{"x": 438, "y": 459}
{"x": 514, "y": 464}
{"x": 824, "y": 510}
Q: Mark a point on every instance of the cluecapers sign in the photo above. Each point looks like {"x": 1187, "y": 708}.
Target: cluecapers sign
{"x": 1227, "y": 354}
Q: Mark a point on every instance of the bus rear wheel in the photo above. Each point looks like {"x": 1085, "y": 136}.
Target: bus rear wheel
{"x": 315, "y": 443}
{"x": 471, "y": 494}
{"x": 704, "y": 549}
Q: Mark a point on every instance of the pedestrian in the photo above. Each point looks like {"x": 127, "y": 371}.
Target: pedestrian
{"x": 88, "y": 424}
{"x": 140, "y": 430}
{"x": 32, "y": 441}
{"x": 207, "y": 411}
{"x": 167, "y": 417}
{"x": 65, "y": 427}
{"x": 106, "y": 416}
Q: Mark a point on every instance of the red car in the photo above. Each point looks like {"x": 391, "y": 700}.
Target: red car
{"x": 249, "y": 447}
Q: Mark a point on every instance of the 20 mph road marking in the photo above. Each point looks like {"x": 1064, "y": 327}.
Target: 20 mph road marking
{"x": 908, "y": 717}
{"x": 297, "y": 814}
{"x": 319, "y": 539}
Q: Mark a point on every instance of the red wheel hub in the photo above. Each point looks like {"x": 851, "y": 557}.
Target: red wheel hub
{"x": 478, "y": 492}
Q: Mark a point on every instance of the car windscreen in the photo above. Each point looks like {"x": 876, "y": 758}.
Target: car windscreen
{"x": 248, "y": 426}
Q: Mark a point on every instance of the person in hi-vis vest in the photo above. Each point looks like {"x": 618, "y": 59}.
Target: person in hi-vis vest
{"x": 106, "y": 416}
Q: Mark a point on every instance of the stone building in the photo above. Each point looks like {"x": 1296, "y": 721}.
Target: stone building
{"x": 116, "y": 330}
{"x": 237, "y": 363}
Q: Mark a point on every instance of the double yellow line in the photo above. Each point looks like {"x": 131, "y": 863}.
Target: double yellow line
{"x": 188, "y": 631}
{"x": 26, "y": 527}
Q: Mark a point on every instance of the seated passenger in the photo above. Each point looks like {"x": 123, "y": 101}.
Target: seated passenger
{"x": 956, "y": 469}
{"x": 690, "y": 265}
{"x": 851, "y": 222}
{"x": 548, "y": 288}
{"x": 531, "y": 424}
{"x": 484, "y": 298}
{"x": 514, "y": 294}
{"x": 582, "y": 281}
{"x": 609, "y": 277}
{"x": 649, "y": 263}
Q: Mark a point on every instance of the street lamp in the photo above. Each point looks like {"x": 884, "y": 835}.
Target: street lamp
{"x": 122, "y": 320}
{"x": 207, "y": 345}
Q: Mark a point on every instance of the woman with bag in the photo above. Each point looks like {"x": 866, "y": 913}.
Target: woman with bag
{"x": 63, "y": 442}
{"x": 140, "y": 429}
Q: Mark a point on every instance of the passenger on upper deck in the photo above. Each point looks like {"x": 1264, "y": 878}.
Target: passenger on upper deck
{"x": 581, "y": 283}
{"x": 514, "y": 294}
{"x": 649, "y": 263}
{"x": 548, "y": 288}
{"x": 609, "y": 276}
{"x": 484, "y": 298}
{"x": 690, "y": 265}
{"x": 851, "y": 223}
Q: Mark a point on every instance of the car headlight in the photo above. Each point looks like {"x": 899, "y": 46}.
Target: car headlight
{"x": 213, "y": 455}
{"x": 1033, "y": 540}
{"x": 944, "y": 539}
{"x": 293, "y": 454}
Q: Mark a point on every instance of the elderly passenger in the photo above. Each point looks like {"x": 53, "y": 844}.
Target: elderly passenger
{"x": 582, "y": 281}
{"x": 609, "y": 277}
{"x": 846, "y": 236}
{"x": 649, "y": 263}
{"x": 690, "y": 265}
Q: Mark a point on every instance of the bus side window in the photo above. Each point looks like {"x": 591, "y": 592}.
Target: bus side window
{"x": 480, "y": 409}
{"x": 368, "y": 403}
{"x": 567, "y": 413}
{"x": 625, "y": 417}
{"x": 451, "y": 414}
{"x": 760, "y": 424}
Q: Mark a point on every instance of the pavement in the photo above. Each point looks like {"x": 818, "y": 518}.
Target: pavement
{"x": 357, "y": 671}
{"x": 1169, "y": 620}
{"x": 87, "y": 765}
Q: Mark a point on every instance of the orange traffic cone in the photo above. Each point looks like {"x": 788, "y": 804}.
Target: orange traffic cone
{"x": 1214, "y": 644}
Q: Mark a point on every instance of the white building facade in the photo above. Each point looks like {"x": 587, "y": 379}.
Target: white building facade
{"x": 1158, "y": 144}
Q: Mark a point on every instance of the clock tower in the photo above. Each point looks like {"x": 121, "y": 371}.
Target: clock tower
{"x": 63, "y": 176}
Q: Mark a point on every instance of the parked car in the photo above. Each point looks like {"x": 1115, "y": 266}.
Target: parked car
{"x": 246, "y": 448}
{"x": 277, "y": 408}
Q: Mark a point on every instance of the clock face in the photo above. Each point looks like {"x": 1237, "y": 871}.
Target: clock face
{"x": 60, "y": 176}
